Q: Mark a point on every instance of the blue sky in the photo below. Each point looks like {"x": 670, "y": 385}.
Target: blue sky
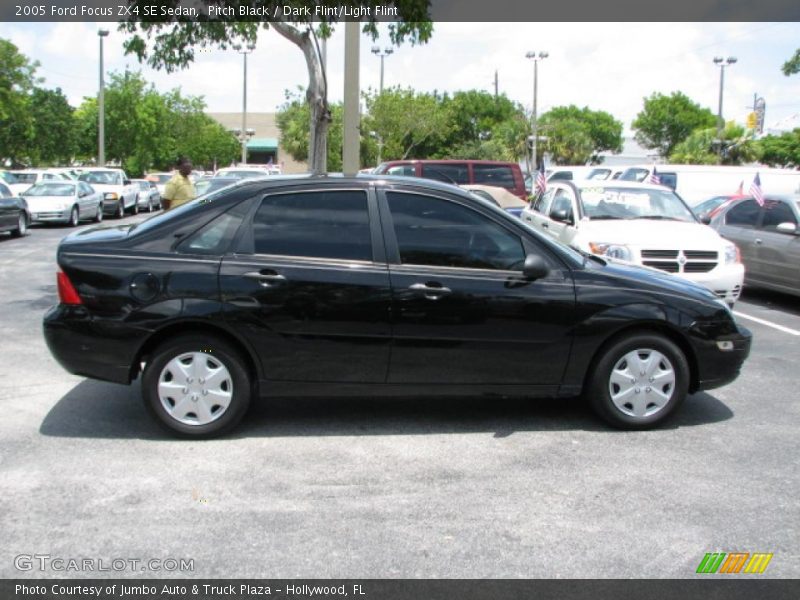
{"x": 608, "y": 66}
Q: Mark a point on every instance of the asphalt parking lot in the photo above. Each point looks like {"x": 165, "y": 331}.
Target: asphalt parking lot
{"x": 463, "y": 488}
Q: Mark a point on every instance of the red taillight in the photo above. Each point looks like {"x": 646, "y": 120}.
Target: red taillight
{"x": 66, "y": 291}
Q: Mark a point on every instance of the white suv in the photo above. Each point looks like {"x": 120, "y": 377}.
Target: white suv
{"x": 648, "y": 225}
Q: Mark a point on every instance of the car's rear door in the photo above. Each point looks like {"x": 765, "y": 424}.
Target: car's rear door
{"x": 308, "y": 286}
{"x": 739, "y": 226}
{"x": 463, "y": 313}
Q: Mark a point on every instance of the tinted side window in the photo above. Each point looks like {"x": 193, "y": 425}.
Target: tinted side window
{"x": 406, "y": 170}
{"x": 744, "y": 214}
{"x": 435, "y": 232}
{"x": 668, "y": 179}
{"x": 543, "y": 202}
{"x": 314, "y": 224}
{"x": 562, "y": 201}
{"x": 497, "y": 175}
{"x": 775, "y": 213}
{"x": 5, "y": 192}
{"x": 561, "y": 176}
{"x": 447, "y": 172}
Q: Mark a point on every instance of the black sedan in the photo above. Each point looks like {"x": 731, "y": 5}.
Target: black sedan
{"x": 374, "y": 285}
{"x": 14, "y": 214}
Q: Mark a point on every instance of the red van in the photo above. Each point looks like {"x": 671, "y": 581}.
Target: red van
{"x": 506, "y": 175}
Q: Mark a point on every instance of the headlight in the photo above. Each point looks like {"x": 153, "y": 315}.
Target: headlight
{"x": 732, "y": 254}
{"x": 617, "y": 251}
{"x": 110, "y": 196}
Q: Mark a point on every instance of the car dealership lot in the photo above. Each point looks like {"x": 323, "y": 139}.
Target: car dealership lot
{"x": 392, "y": 488}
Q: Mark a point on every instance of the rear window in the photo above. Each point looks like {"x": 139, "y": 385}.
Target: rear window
{"x": 497, "y": 175}
{"x": 24, "y": 177}
{"x": 456, "y": 173}
{"x": 634, "y": 174}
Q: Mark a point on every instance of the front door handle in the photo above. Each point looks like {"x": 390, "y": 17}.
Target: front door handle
{"x": 758, "y": 241}
{"x": 266, "y": 279}
{"x": 431, "y": 292}
{"x": 545, "y": 225}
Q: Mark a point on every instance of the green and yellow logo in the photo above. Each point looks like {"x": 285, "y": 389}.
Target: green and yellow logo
{"x": 734, "y": 562}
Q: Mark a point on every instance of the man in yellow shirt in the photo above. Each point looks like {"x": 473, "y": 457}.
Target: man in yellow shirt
{"x": 179, "y": 190}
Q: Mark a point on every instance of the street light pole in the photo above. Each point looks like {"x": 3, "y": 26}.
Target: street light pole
{"x": 386, "y": 52}
{"x": 101, "y": 108}
{"x": 722, "y": 63}
{"x": 534, "y": 126}
{"x": 244, "y": 54}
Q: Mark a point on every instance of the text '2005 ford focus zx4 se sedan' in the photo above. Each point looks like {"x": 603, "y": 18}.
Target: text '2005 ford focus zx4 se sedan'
{"x": 379, "y": 285}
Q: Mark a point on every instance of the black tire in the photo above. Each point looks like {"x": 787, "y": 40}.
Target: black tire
{"x": 120, "y": 209}
{"x": 74, "y": 217}
{"x": 149, "y": 205}
{"x": 135, "y": 209}
{"x": 219, "y": 352}
{"x": 599, "y": 384}
{"x": 22, "y": 226}
{"x": 98, "y": 218}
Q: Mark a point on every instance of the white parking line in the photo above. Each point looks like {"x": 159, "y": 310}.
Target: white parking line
{"x": 767, "y": 323}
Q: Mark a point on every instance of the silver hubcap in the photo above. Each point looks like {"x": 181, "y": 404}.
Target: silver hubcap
{"x": 642, "y": 383}
{"x": 74, "y": 217}
{"x": 22, "y": 224}
{"x": 195, "y": 388}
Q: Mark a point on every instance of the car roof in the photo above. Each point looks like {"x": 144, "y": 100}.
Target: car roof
{"x": 611, "y": 183}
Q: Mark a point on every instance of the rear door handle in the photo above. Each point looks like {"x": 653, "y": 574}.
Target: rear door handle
{"x": 431, "y": 292}
{"x": 266, "y": 279}
{"x": 545, "y": 225}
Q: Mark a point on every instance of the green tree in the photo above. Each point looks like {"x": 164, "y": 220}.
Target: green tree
{"x": 17, "y": 79}
{"x": 781, "y": 150}
{"x": 54, "y": 132}
{"x": 577, "y": 135}
{"x": 700, "y": 147}
{"x": 171, "y": 45}
{"x": 292, "y": 120}
{"x": 665, "y": 121}
{"x": 792, "y": 66}
{"x": 409, "y": 124}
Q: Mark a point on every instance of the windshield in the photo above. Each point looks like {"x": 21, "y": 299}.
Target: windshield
{"x": 634, "y": 174}
{"x": 8, "y": 177}
{"x": 241, "y": 174}
{"x": 599, "y": 174}
{"x": 633, "y": 203}
{"x": 51, "y": 189}
{"x": 24, "y": 177}
{"x": 99, "y": 177}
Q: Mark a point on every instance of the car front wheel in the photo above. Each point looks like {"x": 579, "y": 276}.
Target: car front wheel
{"x": 22, "y": 226}
{"x": 135, "y": 209}
{"x": 197, "y": 387}
{"x": 98, "y": 218}
{"x": 639, "y": 381}
{"x": 121, "y": 209}
{"x": 74, "y": 217}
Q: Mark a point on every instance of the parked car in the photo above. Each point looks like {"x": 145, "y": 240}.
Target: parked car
{"x": 149, "y": 197}
{"x": 370, "y": 285}
{"x": 66, "y": 202}
{"x": 206, "y": 185}
{"x": 645, "y": 224}
{"x": 28, "y": 177}
{"x": 14, "y": 214}
{"x": 499, "y": 197}
{"x": 160, "y": 179}
{"x": 68, "y": 172}
{"x": 243, "y": 172}
{"x": 567, "y": 173}
{"x": 605, "y": 173}
{"x": 507, "y": 175}
{"x": 119, "y": 194}
{"x": 768, "y": 238}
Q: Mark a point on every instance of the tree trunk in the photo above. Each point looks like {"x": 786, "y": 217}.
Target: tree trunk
{"x": 316, "y": 96}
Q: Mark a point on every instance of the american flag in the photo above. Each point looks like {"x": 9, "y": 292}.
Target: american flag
{"x": 755, "y": 190}
{"x": 654, "y": 178}
{"x": 541, "y": 180}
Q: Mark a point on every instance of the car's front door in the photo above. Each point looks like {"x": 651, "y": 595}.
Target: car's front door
{"x": 738, "y": 225}
{"x": 463, "y": 313}
{"x": 777, "y": 254}
{"x": 308, "y": 286}
{"x": 562, "y": 215}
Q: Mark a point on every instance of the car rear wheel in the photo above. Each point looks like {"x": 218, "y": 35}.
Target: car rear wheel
{"x": 197, "y": 387}
{"x": 639, "y": 381}
{"x": 74, "y": 217}
{"x": 22, "y": 226}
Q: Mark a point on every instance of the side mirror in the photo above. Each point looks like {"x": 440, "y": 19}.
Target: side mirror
{"x": 126, "y": 182}
{"x": 562, "y": 216}
{"x": 789, "y": 228}
{"x": 535, "y": 267}
{"x": 704, "y": 219}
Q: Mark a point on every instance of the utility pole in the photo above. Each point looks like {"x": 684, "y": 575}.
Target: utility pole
{"x": 496, "y": 85}
{"x": 721, "y": 63}
{"x": 101, "y": 108}
{"x": 534, "y": 126}
{"x": 244, "y": 54}
{"x": 351, "y": 130}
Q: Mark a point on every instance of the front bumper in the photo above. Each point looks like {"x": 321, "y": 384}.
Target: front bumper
{"x": 725, "y": 281}
{"x": 717, "y": 367}
{"x": 110, "y": 207}
{"x": 51, "y": 216}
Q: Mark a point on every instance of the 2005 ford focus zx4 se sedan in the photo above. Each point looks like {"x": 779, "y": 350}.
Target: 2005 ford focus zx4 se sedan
{"x": 331, "y": 286}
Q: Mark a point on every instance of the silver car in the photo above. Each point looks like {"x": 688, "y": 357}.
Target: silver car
{"x": 66, "y": 202}
{"x": 149, "y": 196}
{"x": 768, "y": 237}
